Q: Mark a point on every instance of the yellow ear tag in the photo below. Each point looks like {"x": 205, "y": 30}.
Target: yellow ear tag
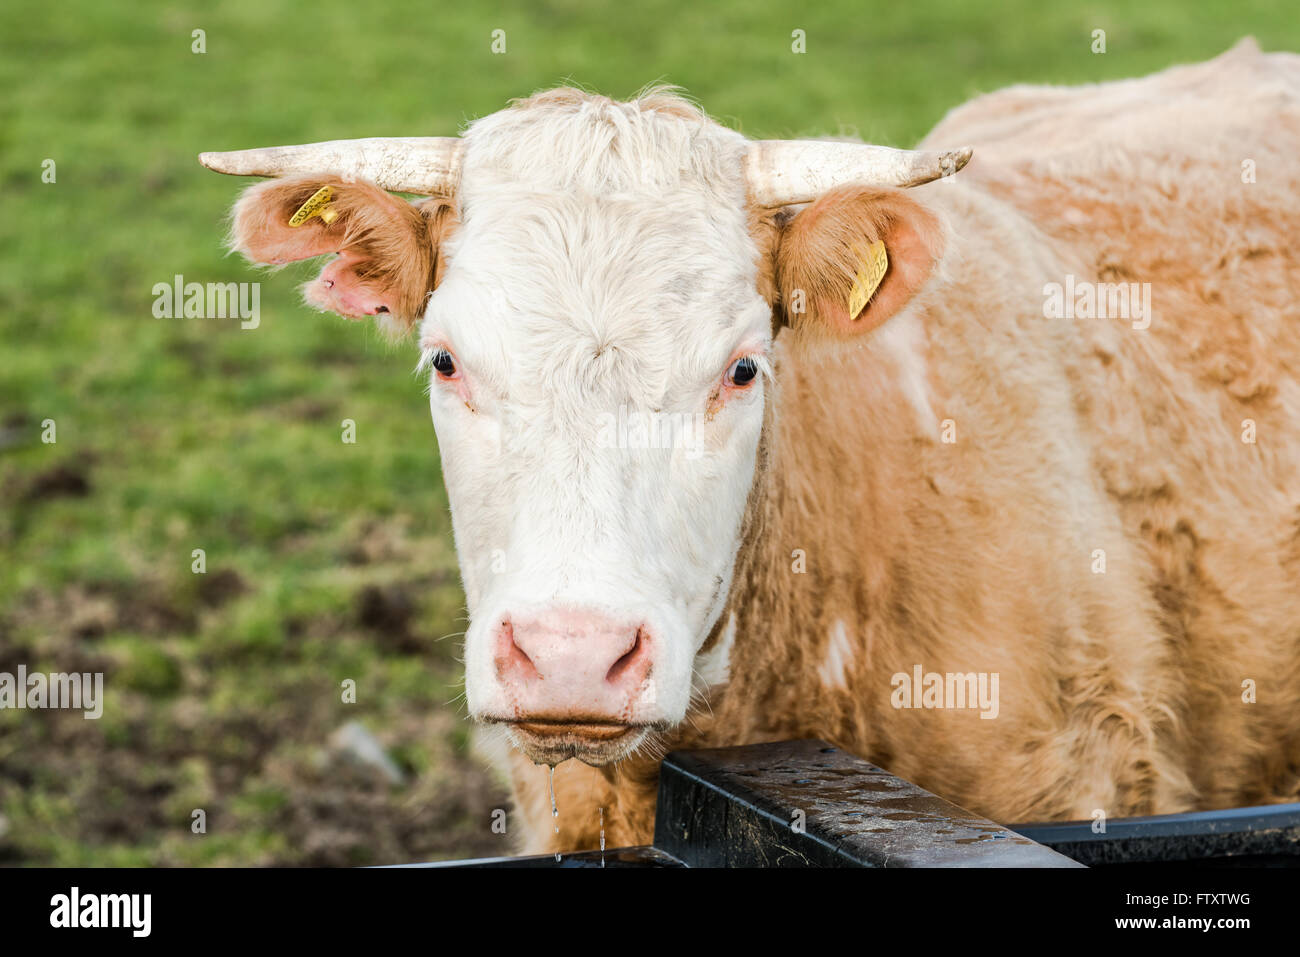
{"x": 871, "y": 270}
{"x": 317, "y": 205}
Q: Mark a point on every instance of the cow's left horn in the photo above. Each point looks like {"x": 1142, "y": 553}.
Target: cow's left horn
{"x": 786, "y": 172}
{"x": 428, "y": 165}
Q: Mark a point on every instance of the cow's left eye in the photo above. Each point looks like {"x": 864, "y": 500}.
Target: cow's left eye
{"x": 742, "y": 372}
{"x": 444, "y": 364}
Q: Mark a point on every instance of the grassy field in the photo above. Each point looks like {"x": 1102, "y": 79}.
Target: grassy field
{"x": 328, "y": 561}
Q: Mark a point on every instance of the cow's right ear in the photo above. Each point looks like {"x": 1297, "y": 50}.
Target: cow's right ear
{"x": 387, "y": 248}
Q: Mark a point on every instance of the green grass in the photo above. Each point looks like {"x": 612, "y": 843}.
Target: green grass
{"x": 325, "y": 560}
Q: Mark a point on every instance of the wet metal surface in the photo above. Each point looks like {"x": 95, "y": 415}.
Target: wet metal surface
{"x": 808, "y": 804}
{"x": 1248, "y": 836}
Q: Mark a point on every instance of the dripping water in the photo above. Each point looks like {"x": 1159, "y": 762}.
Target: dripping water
{"x": 555, "y": 811}
{"x": 602, "y": 837}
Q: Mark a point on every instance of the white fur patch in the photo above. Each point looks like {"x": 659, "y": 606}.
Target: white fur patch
{"x": 839, "y": 655}
{"x": 713, "y": 667}
{"x": 903, "y": 340}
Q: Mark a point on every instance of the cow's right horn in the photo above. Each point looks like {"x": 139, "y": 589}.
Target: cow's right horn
{"x": 786, "y": 172}
{"x": 427, "y": 165}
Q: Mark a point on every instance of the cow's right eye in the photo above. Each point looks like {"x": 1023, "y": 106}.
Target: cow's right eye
{"x": 444, "y": 364}
{"x": 742, "y": 372}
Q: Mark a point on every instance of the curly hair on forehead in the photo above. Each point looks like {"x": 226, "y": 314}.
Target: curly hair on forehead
{"x": 662, "y": 98}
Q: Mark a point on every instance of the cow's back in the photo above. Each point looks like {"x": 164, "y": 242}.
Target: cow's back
{"x": 1189, "y": 181}
{"x": 1240, "y": 97}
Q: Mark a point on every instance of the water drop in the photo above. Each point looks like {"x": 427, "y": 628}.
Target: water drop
{"x": 555, "y": 810}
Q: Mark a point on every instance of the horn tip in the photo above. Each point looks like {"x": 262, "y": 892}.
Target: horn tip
{"x": 222, "y": 163}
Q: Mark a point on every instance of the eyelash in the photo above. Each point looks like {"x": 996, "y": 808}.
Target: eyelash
{"x": 441, "y": 358}
{"x": 749, "y": 365}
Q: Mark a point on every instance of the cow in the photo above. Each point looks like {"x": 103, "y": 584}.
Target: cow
{"x": 982, "y": 460}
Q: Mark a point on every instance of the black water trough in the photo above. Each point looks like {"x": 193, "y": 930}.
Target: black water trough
{"x": 809, "y": 804}
{"x": 1236, "y": 837}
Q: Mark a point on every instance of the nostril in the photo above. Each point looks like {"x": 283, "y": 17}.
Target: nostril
{"x": 510, "y": 657}
{"x": 621, "y": 668}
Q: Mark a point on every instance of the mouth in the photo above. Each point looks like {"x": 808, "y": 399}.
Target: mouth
{"x": 591, "y": 742}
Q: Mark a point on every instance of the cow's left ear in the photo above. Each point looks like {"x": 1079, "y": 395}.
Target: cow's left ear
{"x": 852, "y": 259}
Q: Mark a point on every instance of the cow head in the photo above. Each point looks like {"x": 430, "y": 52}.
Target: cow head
{"x": 596, "y": 289}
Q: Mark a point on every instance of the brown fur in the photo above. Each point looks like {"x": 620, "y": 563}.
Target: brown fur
{"x": 819, "y": 255}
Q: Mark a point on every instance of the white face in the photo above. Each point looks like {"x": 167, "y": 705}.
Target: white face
{"x": 597, "y": 371}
